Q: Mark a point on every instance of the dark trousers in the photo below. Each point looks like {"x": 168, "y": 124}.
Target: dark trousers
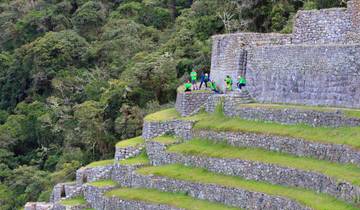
{"x": 187, "y": 90}
{"x": 241, "y": 85}
{"x": 203, "y": 81}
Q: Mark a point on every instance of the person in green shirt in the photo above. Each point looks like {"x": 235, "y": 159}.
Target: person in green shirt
{"x": 229, "y": 83}
{"x": 241, "y": 82}
{"x": 187, "y": 86}
{"x": 193, "y": 76}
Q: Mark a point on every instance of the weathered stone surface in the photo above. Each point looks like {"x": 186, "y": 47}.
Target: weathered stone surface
{"x": 58, "y": 206}
{"x": 299, "y": 147}
{"x": 190, "y": 103}
{"x": 258, "y": 171}
{"x": 305, "y": 74}
{"x": 84, "y": 175}
{"x": 38, "y": 206}
{"x": 180, "y": 128}
{"x": 65, "y": 190}
{"x": 314, "y": 118}
{"x": 127, "y": 152}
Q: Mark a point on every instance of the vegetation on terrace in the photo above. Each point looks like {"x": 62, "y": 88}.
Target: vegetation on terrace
{"x": 165, "y": 139}
{"x": 103, "y": 183}
{"x": 141, "y": 159}
{"x": 202, "y": 147}
{"x": 133, "y": 142}
{"x": 317, "y": 201}
{"x": 355, "y": 113}
{"x": 100, "y": 163}
{"x": 217, "y": 121}
{"x": 73, "y": 201}
{"x": 172, "y": 199}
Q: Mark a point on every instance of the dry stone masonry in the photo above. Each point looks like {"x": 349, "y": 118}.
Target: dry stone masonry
{"x": 316, "y": 65}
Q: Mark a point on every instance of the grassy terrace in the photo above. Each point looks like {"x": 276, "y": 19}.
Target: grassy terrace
{"x": 305, "y": 197}
{"x": 347, "y": 111}
{"x": 100, "y": 163}
{"x": 208, "y": 148}
{"x": 165, "y": 140}
{"x": 133, "y": 142}
{"x": 218, "y": 122}
{"x": 141, "y": 159}
{"x": 103, "y": 183}
{"x": 73, "y": 201}
{"x": 172, "y": 199}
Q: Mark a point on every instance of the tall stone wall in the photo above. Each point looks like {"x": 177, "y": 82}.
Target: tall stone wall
{"x": 230, "y": 51}
{"x": 304, "y": 74}
{"x": 321, "y": 26}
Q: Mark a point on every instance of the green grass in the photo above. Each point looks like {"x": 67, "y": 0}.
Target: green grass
{"x": 141, "y": 159}
{"x": 165, "y": 140}
{"x": 103, "y": 183}
{"x": 178, "y": 200}
{"x": 198, "y": 147}
{"x": 347, "y": 111}
{"x": 73, "y": 201}
{"x": 305, "y": 197}
{"x": 100, "y": 163}
{"x": 133, "y": 142}
{"x": 164, "y": 115}
{"x": 218, "y": 122}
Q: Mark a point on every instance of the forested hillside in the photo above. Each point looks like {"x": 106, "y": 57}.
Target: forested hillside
{"x": 77, "y": 76}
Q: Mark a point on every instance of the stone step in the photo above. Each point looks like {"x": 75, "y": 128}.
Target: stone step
{"x": 320, "y": 176}
{"x": 230, "y": 190}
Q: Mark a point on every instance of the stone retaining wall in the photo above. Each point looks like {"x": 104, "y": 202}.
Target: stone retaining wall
{"x": 190, "y": 103}
{"x": 65, "y": 190}
{"x": 294, "y": 116}
{"x": 152, "y": 129}
{"x": 38, "y": 206}
{"x": 259, "y": 171}
{"x": 84, "y": 175}
{"x": 299, "y": 147}
{"x": 128, "y": 152}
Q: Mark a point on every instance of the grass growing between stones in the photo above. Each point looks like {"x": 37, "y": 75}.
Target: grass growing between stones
{"x": 172, "y": 199}
{"x": 141, "y": 159}
{"x": 103, "y": 183}
{"x": 305, "y": 197}
{"x": 347, "y": 111}
{"x": 199, "y": 147}
{"x": 133, "y": 142}
{"x": 219, "y": 122}
{"x": 165, "y": 140}
{"x": 164, "y": 115}
{"x": 100, "y": 163}
{"x": 73, "y": 201}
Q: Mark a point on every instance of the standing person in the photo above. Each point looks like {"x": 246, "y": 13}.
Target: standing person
{"x": 241, "y": 82}
{"x": 187, "y": 86}
{"x": 229, "y": 83}
{"x": 193, "y": 76}
{"x": 204, "y": 78}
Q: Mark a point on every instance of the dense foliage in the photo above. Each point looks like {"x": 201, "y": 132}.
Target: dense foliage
{"x": 77, "y": 76}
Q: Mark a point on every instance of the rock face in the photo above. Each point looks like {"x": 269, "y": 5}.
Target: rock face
{"x": 316, "y": 65}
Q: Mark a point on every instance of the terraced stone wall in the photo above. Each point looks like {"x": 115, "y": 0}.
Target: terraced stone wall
{"x": 84, "y": 175}
{"x": 180, "y": 128}
{"x": 321, "y": 26}
{"x": 305, "y": 74}
{"x": 190, "y": 103}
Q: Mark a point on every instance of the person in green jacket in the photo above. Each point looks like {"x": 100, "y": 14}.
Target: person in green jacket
{"x": 187, "y": 86}
{"x": 213, "y": 86}
{"x": 193, "y": 76}
{"x": 229, "y": 83}
{"x": 241, "y": 82}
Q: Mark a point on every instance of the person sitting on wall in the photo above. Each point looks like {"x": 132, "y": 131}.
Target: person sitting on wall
{"x": 204, "y": 78}
{"x": 229, "y": 83}
{"x": 241, "y": 82}
{"x": 213, "y": 86}
{"x": 193, "y": 76}
{"x": 187, "y": 86}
